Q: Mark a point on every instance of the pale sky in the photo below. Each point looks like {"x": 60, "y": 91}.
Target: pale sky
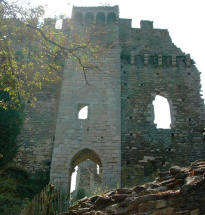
{"x": 183, "y": 18}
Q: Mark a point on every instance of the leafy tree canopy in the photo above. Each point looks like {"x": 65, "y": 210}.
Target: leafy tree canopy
{"x": 32, "y": 52}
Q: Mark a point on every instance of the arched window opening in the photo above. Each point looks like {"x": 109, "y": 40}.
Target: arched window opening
{"x": 111, "y": 18}
{"x": 89, "y": 18}
{"x": 79, "y": 18}
{"x": 86, "y": 175}
{"x": 82, "y": 111}
{"x": 100, "y": 19}
{"x": 162, "y": 116}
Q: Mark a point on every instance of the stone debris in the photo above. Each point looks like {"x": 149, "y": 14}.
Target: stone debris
{"x": 179, "y": 191}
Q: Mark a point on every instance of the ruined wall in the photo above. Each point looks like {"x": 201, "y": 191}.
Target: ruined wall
{"x": 152, "y": 65}
{"x": 135, "y": 65}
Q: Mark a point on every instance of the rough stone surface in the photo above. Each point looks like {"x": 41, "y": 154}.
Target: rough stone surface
{"x": 169, "y": 202}
{"x": 119, "y": 134}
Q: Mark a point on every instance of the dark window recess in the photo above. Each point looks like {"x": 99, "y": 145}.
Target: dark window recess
{"x": 125, "y": 84}
{"x": 172, "y": 134}
{"x": 131, "y": 134}
{"x": 125, "y": 57}
{"x": 130, "y": 117}
{"x": 128, "y": 162}
{"x": 139, "y": 59}
{"x": 189, "y": 119}
{"x": 155, "y": 60}
{"x": 151, "y": 59}
{"x": 111, "y": 18}
{"x": 188, "y": 73}
{"x": 142, "y": 84}
{"x": 167, "y": 60}
{"x": 89, "y": 18}
{"x": 102, "y": 137}
{"x": 100, "y": 19}
{"x": 79, "y": 18}
{"x": 162, "y": 163}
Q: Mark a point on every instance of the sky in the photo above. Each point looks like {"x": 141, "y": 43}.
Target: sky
{"x": 184, "y": 20}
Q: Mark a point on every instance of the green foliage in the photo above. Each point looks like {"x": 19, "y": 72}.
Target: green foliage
{"x": 17, "y": 188}
{"x": 33, "y": 53}
{"x": 80, "y": 194}
{"x": 27, "y": 59}
{"x": 49, "y": 202}
{"x": 10, "y": 124}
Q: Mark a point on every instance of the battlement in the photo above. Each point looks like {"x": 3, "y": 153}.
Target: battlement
{"x": 95, "y": 15}
{"x": 146, "y": 25}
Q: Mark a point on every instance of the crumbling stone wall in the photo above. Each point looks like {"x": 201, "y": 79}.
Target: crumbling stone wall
{"x": 152, "y": 65}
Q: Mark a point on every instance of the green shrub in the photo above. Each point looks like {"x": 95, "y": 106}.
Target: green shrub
{"x": 17, "y": 188}
{"x": 80, "y": 194}
{"x": 11, "y": 121}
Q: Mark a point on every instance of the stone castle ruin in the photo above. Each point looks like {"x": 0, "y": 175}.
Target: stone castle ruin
{"x": 118, "y": 134}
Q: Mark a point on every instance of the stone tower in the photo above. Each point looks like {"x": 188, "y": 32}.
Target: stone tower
{"x": 98, "y": 137}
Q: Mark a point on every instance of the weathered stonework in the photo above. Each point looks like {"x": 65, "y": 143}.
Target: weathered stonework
{"x": 38, "y": 133}
{"x": 119, "y": 134}
{"x": 152, "y": 65}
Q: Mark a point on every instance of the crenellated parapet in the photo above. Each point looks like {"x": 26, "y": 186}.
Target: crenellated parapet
{"x": 95, "y": 15}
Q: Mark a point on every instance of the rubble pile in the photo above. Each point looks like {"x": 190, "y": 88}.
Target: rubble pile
{"x": 179, "y": 191}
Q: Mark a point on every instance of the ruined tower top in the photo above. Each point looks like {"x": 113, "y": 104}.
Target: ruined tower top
{"x": 95, "y": 15}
